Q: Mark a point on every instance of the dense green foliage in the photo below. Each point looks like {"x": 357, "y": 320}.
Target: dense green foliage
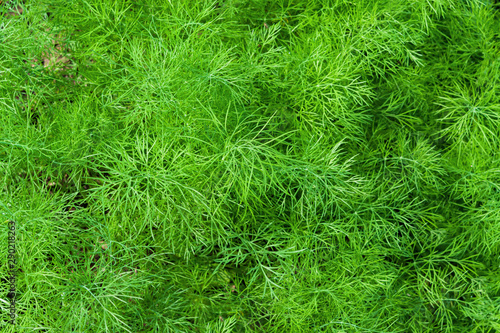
{"x": 252, "y": 165}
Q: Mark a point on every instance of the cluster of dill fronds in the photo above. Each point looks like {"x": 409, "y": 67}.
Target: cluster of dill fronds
{"x": 252, "y": 165}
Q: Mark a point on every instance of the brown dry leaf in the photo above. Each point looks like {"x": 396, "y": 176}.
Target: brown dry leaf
{"x": 53, "y": 57}
{"x": 104, "y": 246}
{"x": 54, "y": 61}
{"x": 17, "y": 11}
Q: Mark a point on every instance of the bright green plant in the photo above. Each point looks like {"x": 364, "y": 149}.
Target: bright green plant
{"x": 251, "y": 165}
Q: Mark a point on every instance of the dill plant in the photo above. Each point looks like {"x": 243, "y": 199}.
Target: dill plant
{"x": 252, "y": 165}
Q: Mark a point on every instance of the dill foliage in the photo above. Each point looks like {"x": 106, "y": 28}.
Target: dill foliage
{"x": 252, "y": 165}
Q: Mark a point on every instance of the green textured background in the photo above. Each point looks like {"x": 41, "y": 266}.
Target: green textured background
{"x": 251, "y": 166}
